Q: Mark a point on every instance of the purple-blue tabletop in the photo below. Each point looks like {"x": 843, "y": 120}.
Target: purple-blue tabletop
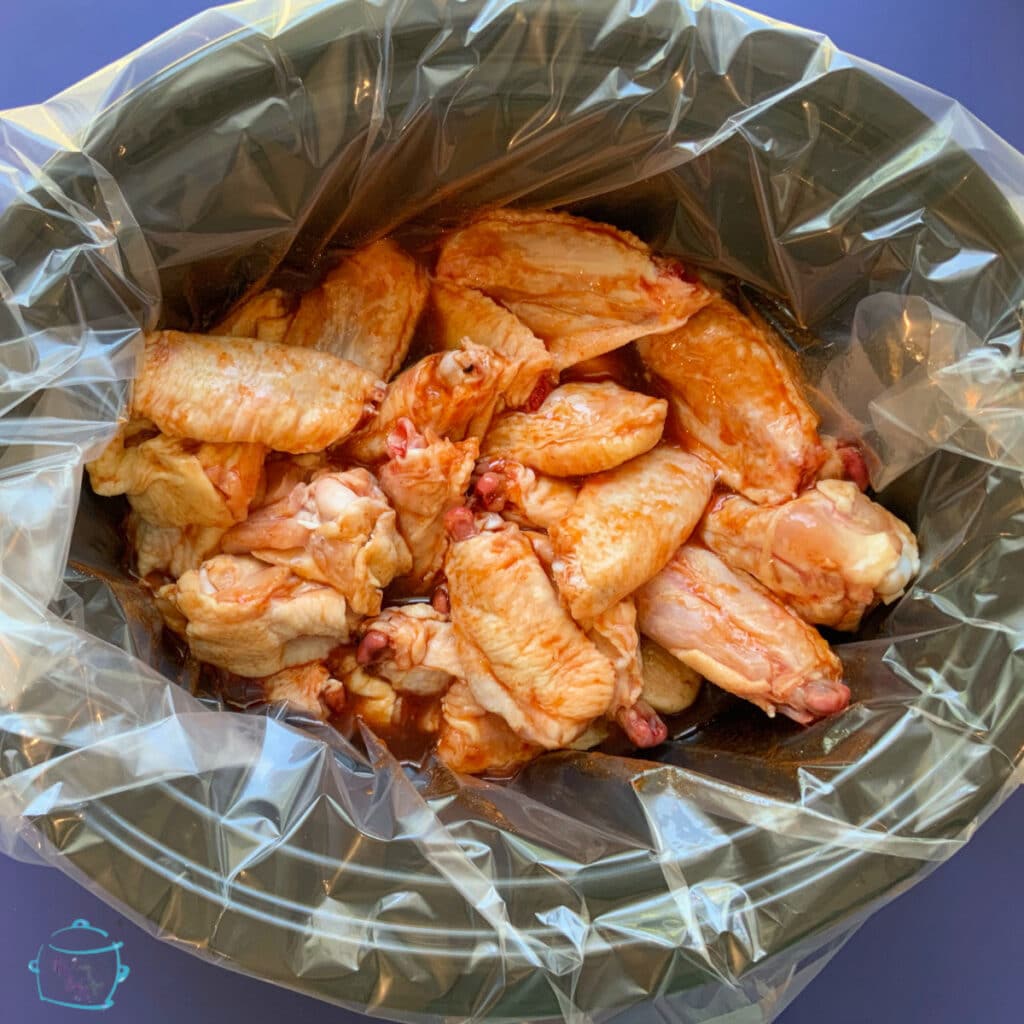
{"x": 945, "y": 953}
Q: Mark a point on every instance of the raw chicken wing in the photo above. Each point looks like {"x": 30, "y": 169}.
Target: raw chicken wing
{"x": 310, "y": 688}
{"x": 830, "y": 554}
{"x": 669, "y": 686}
{"x": 175, "y": 482}
{"x": 584, "y": 288}
{"x": 523, "y": 497}
{"x": 412, "y": 647}
{"x": 579, "y": 429}
{"x": 254, "y": 619}
{"x": 365, "y": 310}
{"x": 452, "y": 393}
{"x": 171, "y": 550}
{"x": 235, "y": 389}
{"x": 457, "y": 313}
{"x": 735, "y": 402}
{"x": 615, "y": 635}
{"x": 726, "y": 626}
{"x": 424, "y": 478}
{"x": 476, "y": 741}
{"x": 521, "y": 653}
{"x": 266, "y": 316}
{"x": 339, "y": 529}
{"x": 625, "y": 526}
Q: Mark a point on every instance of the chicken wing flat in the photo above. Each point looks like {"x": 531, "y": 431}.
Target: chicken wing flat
{"x": 239, "y": 390}
{"x": 365, "y": 310}
{"x": 311, "y": 688}
{"x": 265, "y": 316}
{"x": 176, "y": 482}
{"x": 579, "y": 429}
{"x": 669, "y": 686}
{"x": 521, "y": 653}
{"x": 339, "y": 529}
{"x": 170, "y": 550}
{"x": 475, "y": 741}
{"x": 254, "y": 619}
{"x": 425, "y": 477}
{"x": 412, "y": 647}
{"x": 454, "y": 394}
{"x": 734, "y": 632}
{"x": 735, "y": 402}
{"x": 582, "y": 287}
{"x": 525, "y": 498}
{"x": 457, "y": 313}
{"x": 830, "y": 554}
{"x": 625, "y": 526}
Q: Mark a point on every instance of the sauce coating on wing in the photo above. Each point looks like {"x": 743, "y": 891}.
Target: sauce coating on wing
{"x": 579, "y": 429}
{"x": 735, "y": 402}
{"x": 236, "y": 389}
{"x": 584, "y": 288}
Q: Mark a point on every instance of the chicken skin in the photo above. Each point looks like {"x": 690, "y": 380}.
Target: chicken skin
{"x": 456, "y": 313}
{"x": 254, "y": 619}
{"x": 238, "y": 390}
{"x": 726, "y": 626}
{"x": 366, "y": 309}
{"x": 339, "y": 529}
{"x": 311, "y": 688}
{"x": 579, "y": 429}
{"x": 625, "y": 525}
{"x": 170, "y": 550}
{"x": 454, "y": 394}
{"x": 175, "y": 482}
{"x": 583, "y": 288}
{"x": 831, "y": 554}
{"x": 526, "y": 498}
{"x": 736, "y": 403}
{"x": 425, "y": 477}
{"x": 521, "y": 653}
{"x": 615, "y": 635}
{"x": 412, "y": 647}
{"x": 266, "y": 316}
{"x": 475, "y": 741}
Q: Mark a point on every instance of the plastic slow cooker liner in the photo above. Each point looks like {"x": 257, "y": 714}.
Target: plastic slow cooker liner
{"x": 885, "y": 220}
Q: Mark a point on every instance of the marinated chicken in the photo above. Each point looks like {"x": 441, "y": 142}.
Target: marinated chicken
{"x": 177, "y": 482}
{"x": 579, "y": 429}
{"x": 265, "y": 316}
{"x": 425, "y": 477}
{"x": 521, "y": 653}
{"x": 625, "y": 525}
{"x": 412, "y": 647}
{"x": 831, "y": 554}
{"x": 584, "y": 288}
{"x": 310, "y": 688}
{"x": 339, "y": 529}
{"x": 523, "y": 497}
{"x": 254, "y": 619}
{"x": 365, "y": 310}
{"x": 454, "y": 394}
{"x": 238, "y": 390}
{"x": 734, "y": 632}
{"x": 458, "y": 313}
{"x": 476, "y": 741}
{"x": 170, "y": 550}
{"x": 595, "y": 486}
{"x": 736, "y": 403}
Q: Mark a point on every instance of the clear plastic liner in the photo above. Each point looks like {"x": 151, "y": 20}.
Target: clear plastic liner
{"x": 882, "y": 225}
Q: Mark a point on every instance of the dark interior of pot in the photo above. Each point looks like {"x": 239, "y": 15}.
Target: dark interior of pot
{"x": 588, "y": 881}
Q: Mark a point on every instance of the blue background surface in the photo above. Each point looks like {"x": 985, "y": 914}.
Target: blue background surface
{"x": 948, "y": 952}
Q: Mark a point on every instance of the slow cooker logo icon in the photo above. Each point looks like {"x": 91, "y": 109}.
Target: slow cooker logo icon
{"x": 79, "y": 967}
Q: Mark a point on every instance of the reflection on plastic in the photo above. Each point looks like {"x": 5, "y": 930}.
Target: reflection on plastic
{"x": 716, "y": 882}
